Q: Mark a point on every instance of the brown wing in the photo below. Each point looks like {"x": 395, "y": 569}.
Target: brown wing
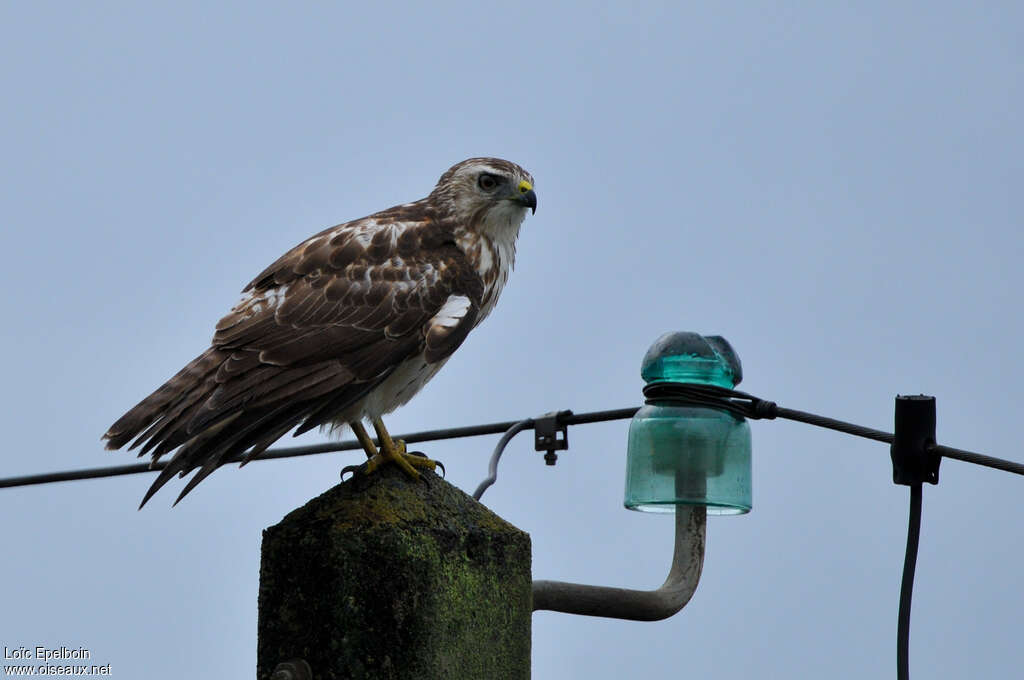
{"x": 313, "y": 333}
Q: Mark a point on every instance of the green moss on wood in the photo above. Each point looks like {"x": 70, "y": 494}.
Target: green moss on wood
{"x": 384, "y": 577}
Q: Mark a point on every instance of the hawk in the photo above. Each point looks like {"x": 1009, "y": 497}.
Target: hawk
{"x": 345, "y": 327}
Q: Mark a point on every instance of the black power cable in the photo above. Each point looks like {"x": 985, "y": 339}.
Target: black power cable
{"x": 907, "y": 586}
{"x": 739, "y": 403}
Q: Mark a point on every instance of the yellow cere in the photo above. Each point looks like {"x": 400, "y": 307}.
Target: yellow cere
{"x": 525, "y": 186}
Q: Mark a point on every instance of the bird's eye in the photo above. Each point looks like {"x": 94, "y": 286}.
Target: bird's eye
{"x": 487, "y": 182}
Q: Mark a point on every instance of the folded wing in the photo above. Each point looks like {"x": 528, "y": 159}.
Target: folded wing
{"x": 312, "y": 335}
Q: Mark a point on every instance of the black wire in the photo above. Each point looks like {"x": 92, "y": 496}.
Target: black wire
{"x": 833, "y": 424}
{"x": 312, "y": 449}
{"x": 979, "y": 459}
{"x": 739, "y": 403}
{"x": 907, "y": 587}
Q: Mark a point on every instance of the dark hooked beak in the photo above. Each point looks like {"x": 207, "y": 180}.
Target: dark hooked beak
{"x": 529, "y": 199}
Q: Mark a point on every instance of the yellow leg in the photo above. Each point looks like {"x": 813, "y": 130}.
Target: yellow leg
{"x": 390, "y": 451}
{"x": 360, "y": 432}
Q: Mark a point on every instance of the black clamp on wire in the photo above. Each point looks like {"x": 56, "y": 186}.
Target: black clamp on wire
{"x": 546, "y": 431}
{"x": 914, "y": 459}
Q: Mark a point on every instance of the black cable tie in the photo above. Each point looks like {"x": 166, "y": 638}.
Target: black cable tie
{"x": 764, "y": 409}
{"x": 914, "y": 459}
{"x": 712, "y": 396}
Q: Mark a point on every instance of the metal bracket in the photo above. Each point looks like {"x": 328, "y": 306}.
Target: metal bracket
{"x": 546, "y": 431}
{"x": 637, "y": 605}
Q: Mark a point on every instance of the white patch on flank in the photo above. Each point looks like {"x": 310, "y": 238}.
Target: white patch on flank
{"x": 452, "y": 312}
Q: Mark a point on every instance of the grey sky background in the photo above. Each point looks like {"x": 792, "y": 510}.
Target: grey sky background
{"x": 835, "y": 190}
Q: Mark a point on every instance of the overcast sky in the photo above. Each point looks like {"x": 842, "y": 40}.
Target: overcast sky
{"x": 836, "y": 191}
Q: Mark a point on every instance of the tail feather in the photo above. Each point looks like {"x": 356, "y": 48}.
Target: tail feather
{"x": 152, "y": 407}
{"x": 262, "y": 430}
{"x": 199, "y": 413}
{"x": 167, "y": 430}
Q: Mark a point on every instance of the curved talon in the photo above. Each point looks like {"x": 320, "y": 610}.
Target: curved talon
{"x": 354, "y": 469}
{"x": 437, "y": 463}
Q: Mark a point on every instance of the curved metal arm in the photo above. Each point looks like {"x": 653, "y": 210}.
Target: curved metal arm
{"x": 637, "y": 605}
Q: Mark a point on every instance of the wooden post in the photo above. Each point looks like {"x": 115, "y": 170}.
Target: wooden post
{"x": 386, "y": 577}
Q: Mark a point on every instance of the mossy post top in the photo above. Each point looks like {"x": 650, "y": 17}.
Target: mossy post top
{"x": 386, "y": 577}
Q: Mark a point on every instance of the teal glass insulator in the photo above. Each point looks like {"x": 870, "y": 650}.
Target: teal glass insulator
{"x": 679, "y": 454}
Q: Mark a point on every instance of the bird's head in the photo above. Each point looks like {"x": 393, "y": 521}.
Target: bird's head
{"x": 490, "y": 195}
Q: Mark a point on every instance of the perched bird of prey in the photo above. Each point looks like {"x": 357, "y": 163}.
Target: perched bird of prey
{"x": 346, "y": 326}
